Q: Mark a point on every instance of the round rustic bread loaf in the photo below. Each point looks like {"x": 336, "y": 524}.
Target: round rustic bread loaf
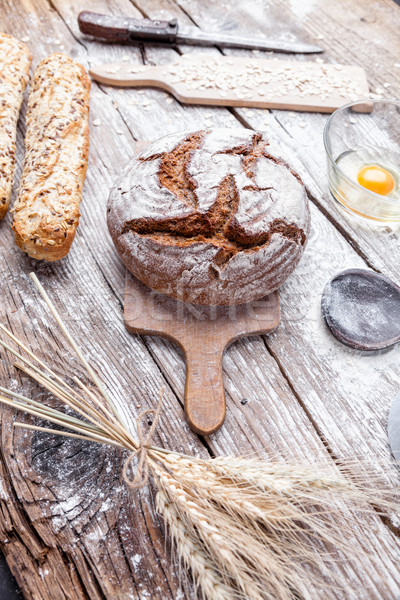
{"x": 210, "y": 217}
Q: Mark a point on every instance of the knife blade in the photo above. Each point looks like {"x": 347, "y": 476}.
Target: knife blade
{"x": 131, "y": 31}
{"x": 394, "y": 427}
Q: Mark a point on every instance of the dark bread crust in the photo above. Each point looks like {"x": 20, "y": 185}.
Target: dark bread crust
{"x": 210, "y": 235}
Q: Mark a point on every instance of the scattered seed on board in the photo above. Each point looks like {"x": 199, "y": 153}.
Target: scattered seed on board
{"x": 317, "y": 79}
{"x": 113, "y": 70}
{"x": 96, "y": 122}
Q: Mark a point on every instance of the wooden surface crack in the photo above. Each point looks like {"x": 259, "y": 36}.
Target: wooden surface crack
{"x": 103, "y": 89}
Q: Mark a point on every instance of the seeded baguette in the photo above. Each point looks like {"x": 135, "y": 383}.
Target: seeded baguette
{"x": 15, "y": 61}
{"x": 46, "y": 212}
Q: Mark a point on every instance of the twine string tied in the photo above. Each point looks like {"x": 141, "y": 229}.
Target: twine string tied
{"x": 141, "y": 474}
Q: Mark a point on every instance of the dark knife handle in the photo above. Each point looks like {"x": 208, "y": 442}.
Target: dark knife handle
{"x": 126, "y": 30}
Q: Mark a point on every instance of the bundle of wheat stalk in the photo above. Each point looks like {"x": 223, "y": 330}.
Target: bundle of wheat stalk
{"x": 246, "y": 528}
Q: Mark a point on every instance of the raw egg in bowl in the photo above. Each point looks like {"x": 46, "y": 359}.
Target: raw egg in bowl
{"x": 362, "y": 142}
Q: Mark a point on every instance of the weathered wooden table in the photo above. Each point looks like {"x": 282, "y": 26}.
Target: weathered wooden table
{"x": 68, "y": 527}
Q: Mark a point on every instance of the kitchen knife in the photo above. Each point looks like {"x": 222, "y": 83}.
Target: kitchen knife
{"x": 394, "y": 427}
{"x": 132, "y": 31}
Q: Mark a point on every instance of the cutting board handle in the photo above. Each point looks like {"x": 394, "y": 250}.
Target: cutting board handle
{"x": 204, "y": 390}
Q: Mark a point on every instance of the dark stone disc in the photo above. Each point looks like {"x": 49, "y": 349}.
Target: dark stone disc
{"x": 362, "y": 309}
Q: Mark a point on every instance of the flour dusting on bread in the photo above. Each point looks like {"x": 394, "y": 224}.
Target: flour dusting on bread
{"x": 210, "y": 217}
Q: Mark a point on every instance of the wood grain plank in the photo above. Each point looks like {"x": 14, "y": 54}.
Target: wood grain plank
{"x": 100, "y": 549}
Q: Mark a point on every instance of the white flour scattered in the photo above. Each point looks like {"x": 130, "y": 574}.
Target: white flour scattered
{"x": 135, "y": 560}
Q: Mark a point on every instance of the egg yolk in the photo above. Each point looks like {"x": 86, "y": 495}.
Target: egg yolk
{"x": 377, "y": 179}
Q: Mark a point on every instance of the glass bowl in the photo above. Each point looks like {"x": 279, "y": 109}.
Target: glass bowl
{"x": 360, "y": 134}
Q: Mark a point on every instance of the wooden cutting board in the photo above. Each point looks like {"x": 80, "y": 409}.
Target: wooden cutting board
{"x": 203, "y": 333}
{"x": 239, "y": 81}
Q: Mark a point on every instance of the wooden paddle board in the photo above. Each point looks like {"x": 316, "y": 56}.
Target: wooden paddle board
{"x": 243, "y": 81}
{"x": 203, "y": 333}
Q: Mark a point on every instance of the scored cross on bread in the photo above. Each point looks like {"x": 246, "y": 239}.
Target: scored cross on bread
{"x": 210, "y": 217}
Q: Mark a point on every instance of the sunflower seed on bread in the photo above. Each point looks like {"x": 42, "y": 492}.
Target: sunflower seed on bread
{"x": 46, "y": 212}
{"x": 15, "y": 61}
